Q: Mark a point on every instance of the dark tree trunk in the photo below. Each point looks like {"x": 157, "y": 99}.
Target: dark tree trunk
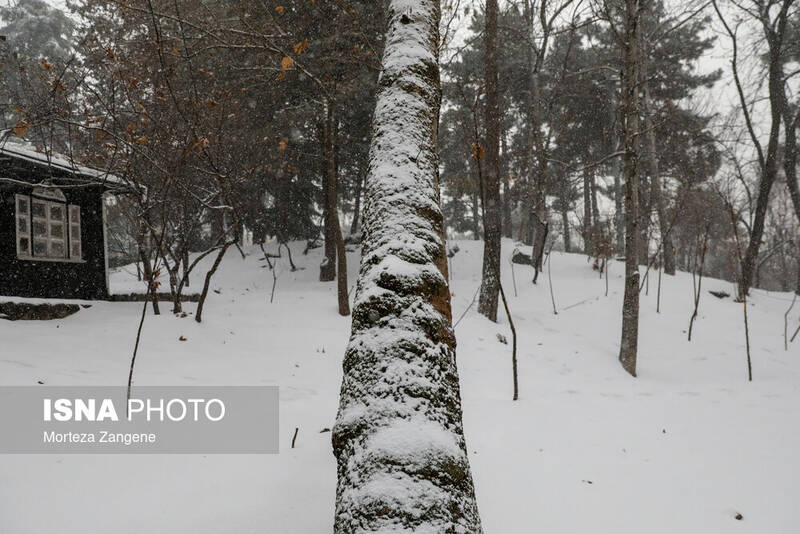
{"x": 565, "y": 227}
{"x": 185, "y": 264}
{"x": 774, "y": 34}
{"x": 357, "y": 208}
{"x": 644, "y": 213}
{"x": 177, "y": 307}
{"x": 507, "y": 226}
{"x": 616, "y": 171}
{"x": 145, "y": 253}
{"x": 791, "y": 122}
{"x": 587, "y": 212}
{"x": 327, "y": 270}
{"x": 508, "y": 229}
{"x": 476, "y": 214}
{"x": 198, "y": 316}
{"x": 332, "y": 212}
{"x": 400, "y": 381}
{"x": 595, "y": 208}
{"x": 490, "y": 281}
{"x": 797, "y": 288}
{"x": 536, "y": 146}
{"x": 630, "y": 108}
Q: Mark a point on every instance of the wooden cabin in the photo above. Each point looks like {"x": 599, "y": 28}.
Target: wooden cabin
{"x": 53, "y": 240}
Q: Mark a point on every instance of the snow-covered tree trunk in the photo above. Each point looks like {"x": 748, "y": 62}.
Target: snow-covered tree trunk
{"x": 490, "y": 281}
{"x": 398, "y": 439}
{"x": 630, "y": 111}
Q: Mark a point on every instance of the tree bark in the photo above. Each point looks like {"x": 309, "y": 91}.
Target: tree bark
{"x": 775, "y": 33}
{"x": 565, "y": 229}
{"x": 490, "y": 187}
{"x": 357, "y": 208}
{"x": 198, "y": 316}
{"x": 587, "y": 212}
{"x": 476, "y": 213}
{"x": 327, "y": 270}
{"x": 398, "y": 438}
{"x": 616, "y": 171}
{"x": 595, "y": 208}
{"x": 507, "y": 225}
{"x": 332, "y": 213}
{"x": 145, "y": 253}
{"x": 791, "y": 121}
{"x": 185, "y": 264}
{"x": 630, "y": 110}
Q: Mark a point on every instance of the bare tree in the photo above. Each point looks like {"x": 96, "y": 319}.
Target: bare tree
{"x": 773, "y": 23}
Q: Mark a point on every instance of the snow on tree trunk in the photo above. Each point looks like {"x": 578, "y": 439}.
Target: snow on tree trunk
{"x": 490, "y": 281}
{"x": 398, "y": 438}
{"x": 630, "y": 108}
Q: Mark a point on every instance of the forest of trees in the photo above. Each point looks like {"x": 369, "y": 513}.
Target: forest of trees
{"x": 241, "y": 119}
{"x": 661, "y": 134}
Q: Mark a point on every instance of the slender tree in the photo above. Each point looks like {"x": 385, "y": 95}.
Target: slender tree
{"x": 630, "y": 111}
{"x": 398, "y": 438}
{"x": 490, "y": 282}
{"x": 773, "y": 23}
{"x": 656, "y": 192}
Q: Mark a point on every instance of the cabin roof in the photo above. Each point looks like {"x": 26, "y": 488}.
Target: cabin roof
{"x": 53, "y": 160}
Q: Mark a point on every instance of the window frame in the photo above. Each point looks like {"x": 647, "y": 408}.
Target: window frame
{"x": 19, "y": 234}
{"x": 69, "y": 240}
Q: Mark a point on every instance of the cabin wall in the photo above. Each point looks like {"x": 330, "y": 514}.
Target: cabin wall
{"x": 53, "y": 279}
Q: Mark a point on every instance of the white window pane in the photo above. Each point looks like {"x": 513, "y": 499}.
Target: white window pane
{"x": 24, "y": 246}
{"x": 76, "y": 251}
{"x": 74, "y": 214}
{"x": 22, "y": 206}
{"x": 22, "y": 226}
{"x": 75, "y": 232}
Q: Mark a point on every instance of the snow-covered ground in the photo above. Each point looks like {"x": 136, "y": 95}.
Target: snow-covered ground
{"x": 684, "y": 448}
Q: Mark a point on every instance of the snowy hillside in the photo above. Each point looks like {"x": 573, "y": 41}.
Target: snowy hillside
{"x": 684, "y": 448}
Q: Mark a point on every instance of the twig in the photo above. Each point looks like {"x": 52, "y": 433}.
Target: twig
{"x": 468, "y": 307}
{"x": 577, "y": 304}
{"x": 513, "y": 343}
{"x": 744, "y": 297}
{"x": 699, "y": 286}
{"x": 550, "y": 280}
{"x": 133, "y": 357}
{"x": 513, "y": 276}
{"x": 658, "y": 297}
{"x": 294, "y": 438}
{"x": 272, "y": 268}
{"x": 786, "y": 324}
